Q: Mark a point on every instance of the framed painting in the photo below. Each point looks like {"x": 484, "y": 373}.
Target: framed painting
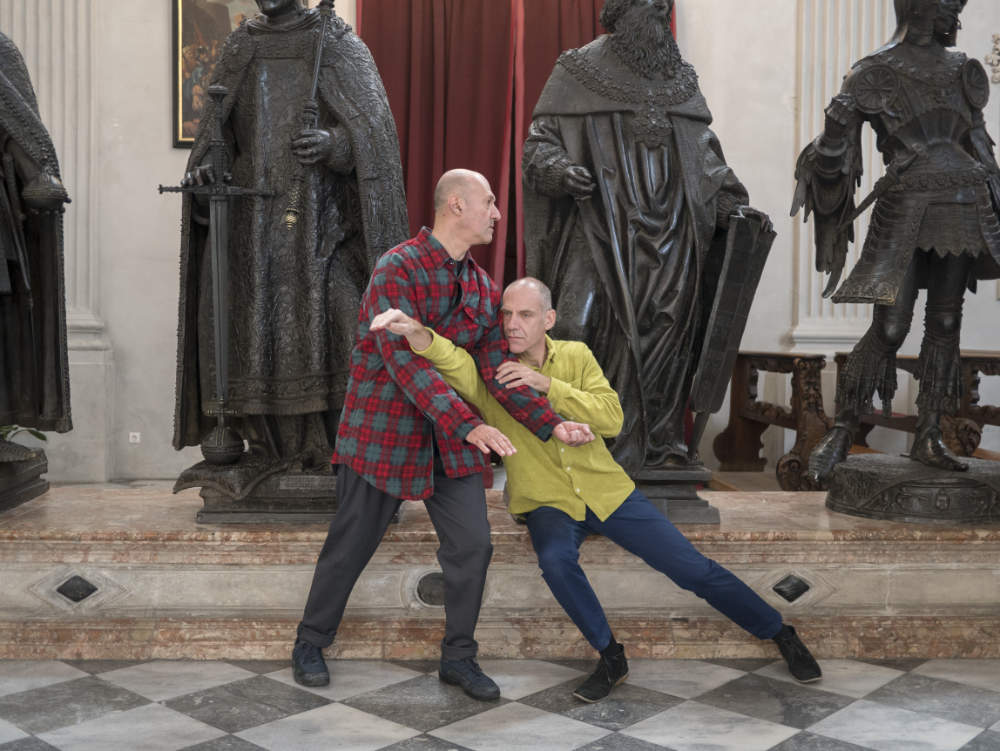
{"x": 200, "y": 30}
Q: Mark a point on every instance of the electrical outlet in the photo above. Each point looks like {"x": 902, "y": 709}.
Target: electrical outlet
{"x": 135, "y": 437}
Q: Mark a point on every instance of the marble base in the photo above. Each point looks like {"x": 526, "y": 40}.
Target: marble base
{"x": 22, "y": 481}
{"x": 675, "y": 492}
{"x": 167, "y": 586}
{"x": 880, "y": 486}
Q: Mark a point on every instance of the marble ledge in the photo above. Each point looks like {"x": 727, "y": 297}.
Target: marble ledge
{"x": 149, "y": 512}
{"x": 869, "y": 637}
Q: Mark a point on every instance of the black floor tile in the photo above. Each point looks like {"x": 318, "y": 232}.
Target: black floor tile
{"x": 67, "y": 703}
{"x": 810, "y": 742}
{"x": 775, "y": 701}
{"x": 626, "y": 705}
{"x": 245, "y": 704}
{"x": 988, "y": 741}
{"x": 945, "y": 699}
{"x": 618, "y": 742}
{"x": 226, "y": 743}
{"x": 424, "y": 743}
{"x": 422, "y": 703}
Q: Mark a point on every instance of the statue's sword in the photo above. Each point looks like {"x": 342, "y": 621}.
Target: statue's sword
{"x": 219, "y": 192}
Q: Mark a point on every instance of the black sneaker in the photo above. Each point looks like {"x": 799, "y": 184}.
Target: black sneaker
{"x": 308, "y": 666}
{"x": 801, "y": 663}
{"x": 612, "y": 669}
{"x": 467, "y": 674}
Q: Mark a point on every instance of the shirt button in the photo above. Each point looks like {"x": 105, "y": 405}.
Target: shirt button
{"x": 562, "y": 451}
{"x": 578, "y": 490}
{"x": 568, "y": 469}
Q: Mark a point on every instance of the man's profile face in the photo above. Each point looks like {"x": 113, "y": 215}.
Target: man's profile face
{"x": 479, "y": 211}
{"x": 525, "y": 321}
{"x": 272, "y": 8}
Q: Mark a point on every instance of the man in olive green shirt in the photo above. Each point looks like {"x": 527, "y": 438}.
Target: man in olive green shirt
{"x": 566, "y": 493}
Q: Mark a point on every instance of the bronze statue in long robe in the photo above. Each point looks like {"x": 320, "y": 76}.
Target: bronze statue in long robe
{"x": 294, "y": 294}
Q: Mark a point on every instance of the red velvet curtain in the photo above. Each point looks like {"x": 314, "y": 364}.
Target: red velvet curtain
{"x": 462, "y": 77}
{"x": 448, "y": 70}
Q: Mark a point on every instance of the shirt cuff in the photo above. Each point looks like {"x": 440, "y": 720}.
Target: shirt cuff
{"x": 438, "y": 348}
{"x": 558, "y": 390}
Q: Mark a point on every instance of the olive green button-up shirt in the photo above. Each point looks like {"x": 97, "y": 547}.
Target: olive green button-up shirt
{"x": 550, "y": 473}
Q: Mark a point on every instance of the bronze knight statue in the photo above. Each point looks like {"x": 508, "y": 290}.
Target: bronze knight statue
{"x": 934, "y": 224}
{"x": 34, "y": 370}
{"x": 313, "y": 196}
{"x": 628, "y": 200}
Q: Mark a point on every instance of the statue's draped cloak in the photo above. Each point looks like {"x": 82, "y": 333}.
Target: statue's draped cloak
{"x": 632, "y": 267}
{"x": 34, "y": 367}
{"x": 294, "y": 295}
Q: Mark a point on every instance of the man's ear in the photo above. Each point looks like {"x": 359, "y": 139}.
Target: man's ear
{"x": 455, "y": 204}
{"x": 550, "y": 319}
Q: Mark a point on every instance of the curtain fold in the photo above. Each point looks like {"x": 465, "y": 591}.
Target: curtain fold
{"x": 462, "y": 77}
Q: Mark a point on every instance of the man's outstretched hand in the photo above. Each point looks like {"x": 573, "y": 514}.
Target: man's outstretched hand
{"x": 487, "y": 438}
{"x": 397, "y": 322}
{"x": 573, "y": 433}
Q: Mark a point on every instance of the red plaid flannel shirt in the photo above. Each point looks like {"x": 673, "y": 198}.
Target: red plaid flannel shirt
{"x": 395, "y": 399}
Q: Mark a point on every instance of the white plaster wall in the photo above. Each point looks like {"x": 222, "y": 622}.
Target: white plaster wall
{"x": 746, "y": 57}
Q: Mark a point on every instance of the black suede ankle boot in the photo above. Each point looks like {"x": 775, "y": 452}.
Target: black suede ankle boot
{"x": 612, "y": 669}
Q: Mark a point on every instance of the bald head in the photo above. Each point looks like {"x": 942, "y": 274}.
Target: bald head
{"x": 534, "y": 285}
{"x": 458, "y": 183}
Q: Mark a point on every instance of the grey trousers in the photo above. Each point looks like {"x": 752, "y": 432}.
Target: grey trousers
{"x": 458, "y": 512}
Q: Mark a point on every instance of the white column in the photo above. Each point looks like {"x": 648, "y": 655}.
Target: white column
{"x": 56, "y": 38}
{"x": 832, "y": 35}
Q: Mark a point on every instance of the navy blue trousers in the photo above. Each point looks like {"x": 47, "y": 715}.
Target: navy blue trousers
{"x": 641, "y": 529}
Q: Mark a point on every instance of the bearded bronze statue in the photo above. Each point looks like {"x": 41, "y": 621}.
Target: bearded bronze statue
{"x": 934, "y": 225}
{"x": 628, "y": 198}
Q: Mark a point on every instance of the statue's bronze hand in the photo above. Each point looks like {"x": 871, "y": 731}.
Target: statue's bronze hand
{"x": 751, "y": 212}
{"x": 578, "y": 182}
{"x": 44, "y": 192}
{"x": 312, "y": 146}
{"x": 201, "y": 175}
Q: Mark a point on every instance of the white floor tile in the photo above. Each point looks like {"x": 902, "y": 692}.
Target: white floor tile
{"x": 520, "y": 678}
{"x": 164, "y": 679}
{"x": 331, "y": 727}
{"x": 352, "y": 677}
{"x": 978, "y": 673}
{"x": 9, "y": 732}
{"x": 150, "y": 728}
{"x": 885, "y": 728}
{"x": 698, "y": 727}
{"x": 24, "y": 675}
{"x": 845, "y": 677}
{"x": 517, "y": 726}
{"x": 684, "y": 678}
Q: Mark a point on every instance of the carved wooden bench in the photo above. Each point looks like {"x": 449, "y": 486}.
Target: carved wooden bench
{"x": 738, "y": 446}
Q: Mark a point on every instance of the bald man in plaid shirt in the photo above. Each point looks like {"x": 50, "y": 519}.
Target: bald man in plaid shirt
{"x": 405, "y": 433}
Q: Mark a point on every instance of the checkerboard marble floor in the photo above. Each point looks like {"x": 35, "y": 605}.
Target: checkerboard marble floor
{"x": 680, "y": 705}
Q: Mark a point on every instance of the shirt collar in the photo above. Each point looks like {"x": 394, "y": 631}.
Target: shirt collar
{"x": 440, "y": 257}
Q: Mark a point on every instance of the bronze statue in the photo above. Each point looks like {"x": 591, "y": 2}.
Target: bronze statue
{"x": 34, "y": 371}
{"x": 934, "y": 224}
{"x": 316, "y": 196}
{"x": 627, "y": 202}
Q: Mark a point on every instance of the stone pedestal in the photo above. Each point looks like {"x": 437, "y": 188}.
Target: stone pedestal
{"x": 879, "y": 486}
{"x": 675, "y": 492}
{"x": 21, "y": 481}
{"x": 250, "y": 492}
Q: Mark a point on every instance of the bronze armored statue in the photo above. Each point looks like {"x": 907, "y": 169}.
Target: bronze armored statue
{"x": 628, "y": 199}
{"x": 34, "y": 371}
{"x": 310, "y": 145}
{"x": 934, "y": 224}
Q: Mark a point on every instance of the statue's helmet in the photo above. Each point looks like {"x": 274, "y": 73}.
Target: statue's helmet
{"x": 939, "y": 16}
